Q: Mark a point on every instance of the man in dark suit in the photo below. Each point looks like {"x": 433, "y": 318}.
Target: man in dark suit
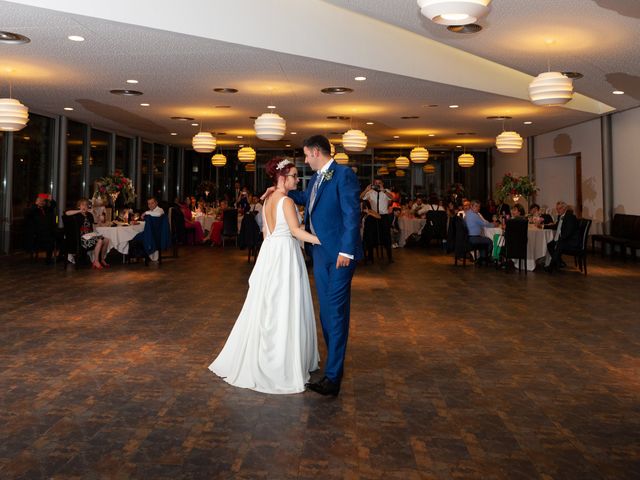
{"x": 567, "y": 236}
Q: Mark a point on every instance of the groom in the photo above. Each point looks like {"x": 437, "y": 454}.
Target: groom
{"x": 332, "y": 213}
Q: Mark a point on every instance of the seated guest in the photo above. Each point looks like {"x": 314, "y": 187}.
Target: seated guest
{"x": 475, "y": 223}
{"x": 567, "y": 236}
{"x": 89, "y": 239}
{"x": 517, "y": 211}
{"x": 202, "y": 207}
{"x": 190, "y": 224}
{"x": 419, "y": 208}
{"x": 40, "y": 223}
{"x": 99, "y": 211}
{"x": 154, "y": 209}
{"x": 537, "y": 217}
{"x": 465, "y": 207}
{"x": 216, "y": 228}
{"x": 434, "y": 203}
{"x": 255, "y": 209}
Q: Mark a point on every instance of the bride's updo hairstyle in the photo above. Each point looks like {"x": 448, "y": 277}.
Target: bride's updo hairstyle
{"x": 278, "y": 167}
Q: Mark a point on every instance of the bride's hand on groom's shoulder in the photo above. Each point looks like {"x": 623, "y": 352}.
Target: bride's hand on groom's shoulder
{"x": 267, "y": 193}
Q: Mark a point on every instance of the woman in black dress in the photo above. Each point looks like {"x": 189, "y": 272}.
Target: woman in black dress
{"x": 89, "y": 239}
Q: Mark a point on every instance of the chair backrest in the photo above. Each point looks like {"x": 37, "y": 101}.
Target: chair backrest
{"x": 626, "y": 229}
{"x": 71, "y": 233}
{"x": 585, "y": 226}
{"x": 516, "y": 237}
{"x": 461, "y": 237}
{"x": 636, "y": 229}
{"x": 230, "y": 222}
{"x": 437, "y": 220}
{"x": 156, "y": 233}
{"x": 250, "y": 234}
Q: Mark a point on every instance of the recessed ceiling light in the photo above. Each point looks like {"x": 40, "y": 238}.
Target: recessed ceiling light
{"x": 431, "y": 105}
{"x": 370, "y": 123}
{"x": 360, "y": 79}
{"x": 223, "y": 106}
{"x": 337, "y": 117}
{"x": 287, "y": 145}
{"x": 454, "y": 106}
{"x": 69, "y": 109}
{"x": 144, "y": 104}
{"x": 336, "y": 90}
{"x": 225, "y": 90}
{"x": 183, "y": 119}
{"x": 239, "y": 136}
{"x": 76, "y": 38}
{"x": 527, "y": 123}
{"x": 241, "y": 145}
{"x": 618, "y": 92}
{"x": 458, "y": 146}
{"x": 132, "y": 81}
{"x": 174, "y": 133}
{"x": 409, "y": 117}
{"x": 126, "y": 93}
{"x": 13, "y": 38}
{"x": 432, "y": 134}
{"x": 271, "y": 106}
{"x": 396, "y": 136}
{"x": 293, "y": 133}
{"x": 498, "y": 117}
{"x": 194, "y": 124}
{"x": 253, "y": 118}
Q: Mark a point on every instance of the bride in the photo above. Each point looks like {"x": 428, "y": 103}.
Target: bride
{"x": 273, "y": 345}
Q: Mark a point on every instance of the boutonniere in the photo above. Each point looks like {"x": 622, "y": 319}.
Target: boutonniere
{"x": 328, "y": 175}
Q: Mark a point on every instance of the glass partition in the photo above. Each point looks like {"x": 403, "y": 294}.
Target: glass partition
{"x": 123, "y": 154}
{"x": 75, "y": 157}
{"x": 159, "y": 161}
{"x": 99, "y": 158}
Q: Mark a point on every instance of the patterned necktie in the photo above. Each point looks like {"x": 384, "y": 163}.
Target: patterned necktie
{"x": 314, "y": 192}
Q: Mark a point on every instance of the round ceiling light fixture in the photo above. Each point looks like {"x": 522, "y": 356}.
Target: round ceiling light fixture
{"x": 246, "y": 155}
{"x": 250, "y": 167}
{"x": 270, "y": 126}
{"x": 76, "y": 38}
{"x": 354, "y": 140}
{"x": 341, "y": 158}
{"x": 10, "y": 38}
{"x": 126, "y": 92}
{"x": 466, "y": 160}
{"x": 419, "y": 155}
{"x": 429, "y": 169}
{"x": 509, "y": 142}
{"x": 383, "y": 171}
{"x": 183, "y": 119}
{"x": 454, "y": 12}
{"x": 204, "y": 142}
{"x": 13, "y": 115}
{"x": 218, "y": 160}
{"x": 551, "y": 88}
{"x": 336, "y": 90}
{"x": 402, "y": 162}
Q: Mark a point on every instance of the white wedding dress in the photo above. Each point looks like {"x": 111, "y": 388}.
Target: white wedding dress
{"x": 273, "y": 345}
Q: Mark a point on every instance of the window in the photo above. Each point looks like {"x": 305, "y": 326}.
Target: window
{"x": 123, "y": 155}
{"x": 145, "y": 167}
{"x": 99, "y": 158}
{"x": 75, "y": 157}
{"x": 159, "y": 161}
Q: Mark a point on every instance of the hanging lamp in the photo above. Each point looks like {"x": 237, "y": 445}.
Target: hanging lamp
{"x": 419, "y": 155}
{"x": 383, "y": 171}
{"x": 400, "y": 173}
{"x": 551, "y": 88}
{"x": 402, "y": 162}
{"x": 246, "y": 155}
{"x": 13, "y": 115}
{"x": 250, "y": 167}
{"x": 333, "y": 149}
{"x": 509, "y": 142}
{"x": 204, "y": 142}
{"x": 466, "y": 160}
{"x": 454, "y": 12}
{"x": 429, "y": 169}
{"x": 341, "y": 158}
{"x": 354, "y": 140}
{"x": 218, "y": 160}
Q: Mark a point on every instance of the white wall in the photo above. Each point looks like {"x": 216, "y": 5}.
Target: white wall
{"x": 626, "y": 161}
{"x": 583, "y": 138}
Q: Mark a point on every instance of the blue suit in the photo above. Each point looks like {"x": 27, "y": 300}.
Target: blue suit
{"x": 336, "y": 221}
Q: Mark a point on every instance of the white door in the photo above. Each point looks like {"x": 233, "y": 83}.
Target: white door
{"x": 556, "y": 178}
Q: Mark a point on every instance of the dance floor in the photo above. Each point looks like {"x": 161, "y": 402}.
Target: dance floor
{"x": 451, "y": 373}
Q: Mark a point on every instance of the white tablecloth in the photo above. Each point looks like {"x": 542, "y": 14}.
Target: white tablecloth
{"x": 119, "y": 236}
{"x": 206, "y": 221}
{"x": 536, "y": 243}
{"x": 409, "y": 226}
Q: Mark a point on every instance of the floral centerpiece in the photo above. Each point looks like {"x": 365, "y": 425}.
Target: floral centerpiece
{"x": 111, "y": 186}
{"x": 515, "y": 187}
{"x": 206, "y": 188}
{"x": 455, "y": 192}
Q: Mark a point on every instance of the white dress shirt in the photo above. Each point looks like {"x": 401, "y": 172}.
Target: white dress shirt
{"x": 156, "y": 212}
{"x": 379, "y": 201}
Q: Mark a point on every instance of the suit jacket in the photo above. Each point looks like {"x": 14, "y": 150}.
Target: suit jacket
{"x": 569, "y": 231}
{"x": 336, "y": 212}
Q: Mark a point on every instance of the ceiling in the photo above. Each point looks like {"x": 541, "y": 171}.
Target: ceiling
{"x": 410, "y": 65}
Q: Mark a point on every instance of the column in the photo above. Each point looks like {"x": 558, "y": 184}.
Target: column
{"x": 607, "y": 173}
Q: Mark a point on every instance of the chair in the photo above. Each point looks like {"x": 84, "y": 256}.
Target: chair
{"x": 250, "y": 236}
{"x": 436, "y": 227}
{"x": 580, "y": 254}
{"x": 72, "y": 244}
{"x": 176, "y": 228}
{"x": 622, "y": 228}
{"x": 230, "y": 225}
{"x": 516, "y": 237}
{"x": 156, "y": 237}
{"x": 462, "y": 247}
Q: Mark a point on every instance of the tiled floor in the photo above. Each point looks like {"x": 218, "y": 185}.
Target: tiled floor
{"x": 451, "y": 373}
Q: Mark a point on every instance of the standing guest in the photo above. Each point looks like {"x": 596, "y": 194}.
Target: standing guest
{"x": 41, "y": 226}
{"x": 379, "y": 199}
{"x": 190, "y": 224}
{"x": 435, "y": 203}
{"x": 567, "y": 236}
{"x": 255, "y": 209}
{"x": 216, "y": 228}
{"x": 242, "y": 201}
{"x": 475, "y": 223}
{"x": 89, "y": 239}
{"x": 396, "y": 198}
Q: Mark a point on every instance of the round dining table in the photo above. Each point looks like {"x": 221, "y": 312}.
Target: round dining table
{"x": 409, "y": 226}
{"x": 537, "y": 239}
{"x": 120, "y": 236}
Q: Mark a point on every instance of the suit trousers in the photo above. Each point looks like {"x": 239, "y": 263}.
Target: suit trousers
{"x": 334, "y": 293}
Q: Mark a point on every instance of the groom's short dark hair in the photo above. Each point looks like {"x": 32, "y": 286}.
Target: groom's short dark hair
{"x": 320, "y": 142}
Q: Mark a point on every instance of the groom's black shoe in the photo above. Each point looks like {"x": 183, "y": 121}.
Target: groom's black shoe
{"x": 325, "y": 387}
